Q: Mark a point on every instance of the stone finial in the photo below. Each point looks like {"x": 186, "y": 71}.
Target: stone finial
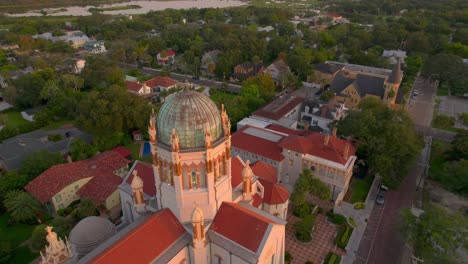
{"x": 174, "y": 141}
{"x": 208, "y": 139}
{"x": 137, "y": 182}
{"x": 247, "y": 171}
{"x": 197, "y": 214}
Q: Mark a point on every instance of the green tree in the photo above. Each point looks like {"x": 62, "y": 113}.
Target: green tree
{"x": 22, "y": 206}
{"x": 436, "y": 234}
{"x": 62, "y": 226}
{"x": 86, "y": 208}
{"x": 38, "y": 237}
{"x": 5, "y": 251}
{"x": 386, "y": 138}
{"x": 447, "y": 68}
{"x": 38, "y": 162}
{"x": 12, "y": 180}
{"x": 49, "y": 90}
{"x": 81, "y": 150}
{"x": 73, "y": 81}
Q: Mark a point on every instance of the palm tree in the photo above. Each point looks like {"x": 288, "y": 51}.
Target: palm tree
{"x": 22, "y": 206}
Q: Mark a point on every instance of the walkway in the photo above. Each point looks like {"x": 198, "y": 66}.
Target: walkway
{"x": 322, "y": 241}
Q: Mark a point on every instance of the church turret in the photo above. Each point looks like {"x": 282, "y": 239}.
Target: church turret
{"x": 247, "y": 176}
{"x": 137, "y": 189}
{"x": 392, "y": 84}
{"x": 198, "y": 251}
{"x": 58, "y": 251}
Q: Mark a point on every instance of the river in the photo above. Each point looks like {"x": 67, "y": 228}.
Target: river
{"x": 146, "y": 6}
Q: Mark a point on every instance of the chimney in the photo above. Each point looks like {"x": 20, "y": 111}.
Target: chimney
{"x": 334, "y": 132}
{"x": 346, "y": 151}
{"x": 69, "y": 159}
{"x": 327, "y": 138}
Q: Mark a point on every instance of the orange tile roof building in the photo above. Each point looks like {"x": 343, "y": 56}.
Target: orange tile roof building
{"x": 194, "y": 203}
{"x": 96, "y": 178}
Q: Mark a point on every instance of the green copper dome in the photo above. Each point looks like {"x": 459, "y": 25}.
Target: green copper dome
{"x": 190, "y": 113}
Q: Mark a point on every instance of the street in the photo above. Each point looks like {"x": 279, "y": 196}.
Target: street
{"x": 382, "y": 242}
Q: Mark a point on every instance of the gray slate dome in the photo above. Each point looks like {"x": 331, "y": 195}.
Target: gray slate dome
{"x": 89, "y": 233}
{"x": 190, "y": 113}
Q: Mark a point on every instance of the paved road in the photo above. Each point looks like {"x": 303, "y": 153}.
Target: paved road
{"x": 382, "y": 243}
{"x": 233, "y": 88}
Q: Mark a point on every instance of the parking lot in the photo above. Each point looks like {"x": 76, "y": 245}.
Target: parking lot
{"x": 452, "y": 105}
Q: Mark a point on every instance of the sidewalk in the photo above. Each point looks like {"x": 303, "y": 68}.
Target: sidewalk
{"x": 360, "y": 217}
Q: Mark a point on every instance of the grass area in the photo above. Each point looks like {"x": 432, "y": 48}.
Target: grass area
{"x": 360, "y": 188}
{"x": 221, "y": 97}
{"x": 113, "y": 8}
{"x": 14, "y": 119}
{"x": 15, "y": 233}
{"x": 437, "y": 158}
{"x": 22, "y": 255}
{"x": 58, "y": 124}
{"x": 25, "y": 5}
{"x": 442, "y": 90}
{"x": 135, "y": 149}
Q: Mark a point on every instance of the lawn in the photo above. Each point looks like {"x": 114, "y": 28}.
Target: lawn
{"x": 437, "y": 158}
{"x": 15, "y": 233}
{"x": 360, "y": 188}
{"x": 14, "y": 119}
{"x": 22, "y": 255}
{"x": 135, "y": 149}
{"x": 58, "y": 124}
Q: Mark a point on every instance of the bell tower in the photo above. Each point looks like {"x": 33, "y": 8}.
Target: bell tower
{"x": 392, "y": 84}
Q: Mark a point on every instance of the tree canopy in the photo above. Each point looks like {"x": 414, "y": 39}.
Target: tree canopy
{"x": 386, "y": 138}
{"x": 22, "y": 206}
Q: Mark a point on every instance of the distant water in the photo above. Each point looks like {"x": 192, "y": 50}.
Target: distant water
{"x": 146, "y": 6}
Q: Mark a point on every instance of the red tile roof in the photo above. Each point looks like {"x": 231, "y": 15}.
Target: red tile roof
{"x": 146, "y": 242}
{"x": 99, "y": 188}
{"x": 160, "y": 81}
{"x": 134, "y": 86}
{"x": 57, "y": 177}
{"x": 257, "y": 201}
{"x": 274, "y": 193}
{"x": 314, "y": 145}
{"x": 145, "y": 172}
{"x": 256, "y": 145}
{"x": 265, "y": 171}
{"x": 277, "y": 109}
{"x": 237, "y": 164}
{"x": 122, "y": 151}
{"x": 241, "y": 225}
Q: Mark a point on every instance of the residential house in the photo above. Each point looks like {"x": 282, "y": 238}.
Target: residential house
{"x": 3, "y": 82}
{"x": 153, "y": 85}
{"x": 166, "y": 57}
{"x": 265, "y": 29}
{"x": 209, "y": 60}
{"x": 354, "y": 82}
{"x": 278, "y": 70}
{"x": 72, "y": 65}
{"x": 394, "y": 56}
{"x": 95, "y": 46}
{"x": 248, "y": 69}
{"x": 318, "y": 116}
{"x": 96, "y": 178}
{"x": 291, "y": 151}
{"x": 283, "y": 110}
{"x": 76, "y": 38}
{"x": 29, "y": 113}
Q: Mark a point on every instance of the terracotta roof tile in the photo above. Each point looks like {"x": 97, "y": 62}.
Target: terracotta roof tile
{"x": 160, "y": 81}
{"x": 146, "y": 242}
{"x": 122, "y": 151}
{"x": 314, "y": 145}
{"x": 99, "y": 188}
{"x": 232, "y": 217}
{"x": 257, "y": 201}
{"x": 57, "y": 177}
{"x": 133, "y": 86}
{"x": 145, "y": 172}
{"x": 265, "y": 171}
{"x": 273, "y": 193}
{"x": 257, "y": 145}
{"x": 237, "y": 164}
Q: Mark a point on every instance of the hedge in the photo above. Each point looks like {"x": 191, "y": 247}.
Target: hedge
{"x": 342, "y": 238}
{"x": 332, "y": 258}
{"x": 336, "y": 218}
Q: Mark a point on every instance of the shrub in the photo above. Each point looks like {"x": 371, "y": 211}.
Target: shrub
{"x": 55, "y": 137}
{"x": 352, "y": 222}
{"x": 343, "y": 236}
{"x": 444, "y": 121}
{"x": 287, "y": 257}
{"x": 359, "y": 206}
{"x": 61, "y": 212}
{"x": 302, "y": 209}
{"x": 336, "y": 218}
{"x": 332, "y": 258}
{"x": 304, "y": 228}
{"x": 68, "y": 210}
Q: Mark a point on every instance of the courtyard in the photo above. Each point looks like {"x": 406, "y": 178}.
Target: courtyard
{"x": 322, "y": 243}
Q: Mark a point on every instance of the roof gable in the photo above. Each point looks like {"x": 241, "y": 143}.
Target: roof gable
{"x": 279, "y": 107}
{"x": 273, "y": 193}
{"x": 265, "y": 171}
{"x": 160, "y": 81}
{"x": 237, "y": 164}
{"x": 232, "y": 217}
{"x": 146, "y": 242}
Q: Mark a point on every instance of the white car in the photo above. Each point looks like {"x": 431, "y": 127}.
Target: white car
{"x": 415, "y": 92}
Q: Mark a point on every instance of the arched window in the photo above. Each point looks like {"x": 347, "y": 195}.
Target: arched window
{"x": 194, "y": 179}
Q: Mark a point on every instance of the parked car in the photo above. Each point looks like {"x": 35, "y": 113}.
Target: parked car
{"x": 383, "y": 187}
{"x": 380, "y": 198}
{"x": 415, "y": 92}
